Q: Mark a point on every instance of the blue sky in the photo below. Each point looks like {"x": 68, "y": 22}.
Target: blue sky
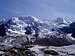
{"x": 42, "y": 8}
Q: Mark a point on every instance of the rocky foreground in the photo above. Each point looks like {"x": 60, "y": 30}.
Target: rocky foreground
{"x": 26, "y": 45}
{"x": 54, "y": 51}
{"x": 37, "y": 50}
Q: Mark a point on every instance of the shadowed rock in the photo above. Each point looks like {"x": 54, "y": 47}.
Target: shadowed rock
{"x": 69, "y": 29}
{"x": 53, "y": 42}
{"x": 28, "y": 30}
{"x": 72, "y": 28}
{"x": 52, "y": 52}
{"x": 2, "y": 30}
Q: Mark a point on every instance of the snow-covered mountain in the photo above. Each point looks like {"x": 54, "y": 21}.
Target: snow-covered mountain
{"x": 19, "y": 30}
{"x": 18, "y": 24}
